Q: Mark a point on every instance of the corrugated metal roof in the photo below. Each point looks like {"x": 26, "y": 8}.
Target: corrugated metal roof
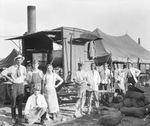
{"x": 35, "y": 34}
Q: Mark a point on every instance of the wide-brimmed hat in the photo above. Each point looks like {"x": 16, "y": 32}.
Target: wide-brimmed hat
{"x": 19, "y": 57}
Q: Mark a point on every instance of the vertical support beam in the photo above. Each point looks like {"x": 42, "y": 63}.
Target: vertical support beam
{"x": 71, "y": 55}
{"x": 63, "y": 56}
{"x": 24, "y": 52}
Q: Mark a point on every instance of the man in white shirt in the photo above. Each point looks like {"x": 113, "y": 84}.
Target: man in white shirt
{"x": 132, "y": 74}
{"x": 105, "y": 77}
{"x": 93, "y": 81}
{"x": 119, "y": 80}
{"x": 35, "y": 107}
{"x": 81, "y": 89}
{"x": 17, "y": 75}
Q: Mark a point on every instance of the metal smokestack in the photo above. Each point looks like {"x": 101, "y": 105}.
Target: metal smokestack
{"x": 31, "y": 16}
{"x": 139, "y": 42}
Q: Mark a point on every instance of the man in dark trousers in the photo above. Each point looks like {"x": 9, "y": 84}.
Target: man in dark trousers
{"x": 18, "y": 75}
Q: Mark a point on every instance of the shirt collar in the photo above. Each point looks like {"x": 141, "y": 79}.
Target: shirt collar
{"x": 17, "y": 65}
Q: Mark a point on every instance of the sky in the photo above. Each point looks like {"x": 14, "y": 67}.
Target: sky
{"x": 114, "y": 17}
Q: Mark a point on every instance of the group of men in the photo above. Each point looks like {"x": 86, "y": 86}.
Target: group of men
{"x": 122, "y": 78}
{"x": 36, "y": 105}
{"x": 90, "y": 82}
{"x": 87, "y": 84}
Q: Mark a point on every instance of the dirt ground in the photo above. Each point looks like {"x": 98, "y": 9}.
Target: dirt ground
{"x": 66, "y": 117}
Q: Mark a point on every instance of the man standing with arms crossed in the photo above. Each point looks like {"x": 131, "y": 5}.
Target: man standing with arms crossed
{"x": 18, "y": 75}
{"x": 81, "y": 89}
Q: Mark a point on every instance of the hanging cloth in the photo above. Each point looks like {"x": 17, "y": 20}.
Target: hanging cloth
{"x": 92, "y": 50}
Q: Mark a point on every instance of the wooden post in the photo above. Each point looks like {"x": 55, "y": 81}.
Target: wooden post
{"x": 138, "y": 64}
{"x": 71, "y": 56}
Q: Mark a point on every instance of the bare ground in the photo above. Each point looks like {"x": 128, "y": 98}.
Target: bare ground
{"x": 66, "y": 118}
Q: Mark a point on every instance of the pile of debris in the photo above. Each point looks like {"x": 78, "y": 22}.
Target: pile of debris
{"x": 134, "y": 103}
{"x": 109, "y": 116}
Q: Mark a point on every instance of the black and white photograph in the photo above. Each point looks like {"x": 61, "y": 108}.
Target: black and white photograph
{"x": 74, "y": 63}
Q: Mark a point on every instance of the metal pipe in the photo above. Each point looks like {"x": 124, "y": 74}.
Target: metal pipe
{"x": 139, "y": 42}
{"x": 31, "y": 16}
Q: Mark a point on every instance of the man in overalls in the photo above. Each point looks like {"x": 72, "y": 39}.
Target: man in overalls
{"x": 35, "y": 77}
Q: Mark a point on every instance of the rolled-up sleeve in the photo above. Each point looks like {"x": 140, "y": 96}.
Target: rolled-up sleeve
{"x": 6, "y": 72}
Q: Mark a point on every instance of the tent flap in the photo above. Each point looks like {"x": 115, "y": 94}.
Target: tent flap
{"x": 9, "y": 60}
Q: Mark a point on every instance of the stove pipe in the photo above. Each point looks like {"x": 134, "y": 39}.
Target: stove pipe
{"x": 31, "y": 16}
{"x": 139, "y": 41}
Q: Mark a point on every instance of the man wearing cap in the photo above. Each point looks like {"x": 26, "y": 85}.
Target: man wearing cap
{"x": 36, "y": 107}
{"x": 17, "y": 73}
{"x": 81, "y": 89}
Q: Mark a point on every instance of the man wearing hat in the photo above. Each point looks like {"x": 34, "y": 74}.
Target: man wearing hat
{"x": 36, "y": 107}
{"x": 81, "y": 89}
{"x": 17, "y": 73}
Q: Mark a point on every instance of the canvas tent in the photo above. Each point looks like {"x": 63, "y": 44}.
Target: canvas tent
{"x": 9, "y": 60}
{"x": 121, "y": 48}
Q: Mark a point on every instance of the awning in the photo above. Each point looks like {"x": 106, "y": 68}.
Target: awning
{"x": 85, "y": 37}
{"x": 53, "y": 33}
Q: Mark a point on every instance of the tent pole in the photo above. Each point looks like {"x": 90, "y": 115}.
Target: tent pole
{"x": 111, "y": 78}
